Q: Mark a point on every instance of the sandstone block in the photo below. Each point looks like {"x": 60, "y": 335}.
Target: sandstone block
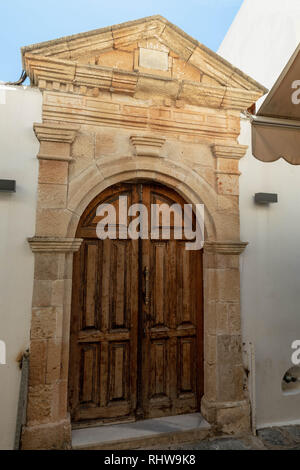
{"x": 49, "y": 266}
{"x": 229, "y": 350}
{"x": 210, "y": 381}
{"x": 53, "y": 171}
{"x": 42, "y": 293}
{"x": 52, "y": 222}
{"x": 47, "y": 436}
{"x": 210, "y": 349}
{"x": 53, "y": 361}
{"x": 38, "y": 358}
{"x": 52, "y": 196}
{"x": 40, "y": 400}
{"x": 223, "y": 285}
{"x": 43, "y": 323}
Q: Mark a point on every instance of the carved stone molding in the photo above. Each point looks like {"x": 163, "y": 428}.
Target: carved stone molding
{"x": 149, "y": 146}
{"x": 56, "y": 132}
{"x": 163, "y": 118}
{"x": 225, "y": 248}
{"x": 44, "y": 156}
{"x": 55, "y": 139}
{"x": 125, "y": 36}
{"x": 67, "y": 76}
{"x": 236, "y": 151}
{"x": 225, "y": 404}
{"x": 58, "y": 245}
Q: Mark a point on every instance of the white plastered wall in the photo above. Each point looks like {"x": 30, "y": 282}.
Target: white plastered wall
{"x": 260, "y": 42}
{"x": 20, "y": 107}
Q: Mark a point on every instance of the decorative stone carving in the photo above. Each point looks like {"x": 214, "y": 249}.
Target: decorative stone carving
{"x": 58, "y": 65}
{"x": 55, "y": 139}
{"x": 163, "y": 116}
{"x": 55, "y": 132}
{"x": 235, "y": 151}
{"x": 90, "y": 80}
{"x": 148, "y": 146}
{"x": 225, "y": 248}
{"x": 57, "y": 245}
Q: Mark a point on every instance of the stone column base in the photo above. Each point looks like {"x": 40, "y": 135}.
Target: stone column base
{"x": 227, "y": 417}
{"x": 47, "y": 436}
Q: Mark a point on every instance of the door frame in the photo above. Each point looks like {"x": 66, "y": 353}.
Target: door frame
{"x": 224, "y": 403}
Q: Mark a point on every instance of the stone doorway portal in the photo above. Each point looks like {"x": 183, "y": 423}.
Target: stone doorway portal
{"x": 110, "y": 117}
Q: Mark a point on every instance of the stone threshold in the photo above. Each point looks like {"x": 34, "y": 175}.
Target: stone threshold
{"x": 140, "y": 434}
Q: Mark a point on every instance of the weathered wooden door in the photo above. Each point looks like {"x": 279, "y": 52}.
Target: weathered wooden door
{"x": 136, "y": 323}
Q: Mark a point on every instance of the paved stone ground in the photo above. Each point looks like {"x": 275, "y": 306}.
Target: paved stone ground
{"x": 277, "y": 438}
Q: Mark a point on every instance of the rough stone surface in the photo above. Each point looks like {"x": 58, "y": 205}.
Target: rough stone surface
{"x": 279, "y": 438}
{"x": 294, "y": 432}
{"x": 218, "y": 444}
{"x": 51, "y": 436}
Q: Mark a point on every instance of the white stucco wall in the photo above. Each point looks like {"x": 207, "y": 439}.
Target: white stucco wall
{"x": 260, "y": 41}
{"x": 20, "y": 107}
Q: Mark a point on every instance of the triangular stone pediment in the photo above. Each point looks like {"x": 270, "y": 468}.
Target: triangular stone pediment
{"x": 150, "y": 45}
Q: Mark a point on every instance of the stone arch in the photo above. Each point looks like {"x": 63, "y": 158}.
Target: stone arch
{"x": 190, "y": 185}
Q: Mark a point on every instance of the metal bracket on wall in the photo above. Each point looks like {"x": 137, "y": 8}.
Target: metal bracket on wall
{"x": 265, "y": 198}
{"x": 8, "y": 186}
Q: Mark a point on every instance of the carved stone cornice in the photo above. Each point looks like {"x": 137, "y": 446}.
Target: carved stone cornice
{"x": 235, "y": 151}
{"x": 58, "y": 245}
{"x": 55, "y": 139}
{"x": 161, "y": 118}
{"x": 55, "y": 132}
{"x": 149, "y": 146}
{"x": 50, "y": 73}
{"x": 225, "y": 248}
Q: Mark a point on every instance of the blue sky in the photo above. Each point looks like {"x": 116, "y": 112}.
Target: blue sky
{"x": 27, "y": 22}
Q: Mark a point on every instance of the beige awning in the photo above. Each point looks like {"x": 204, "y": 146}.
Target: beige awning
{"x": 273, "y": 139}
{"x": 276, "y": 128}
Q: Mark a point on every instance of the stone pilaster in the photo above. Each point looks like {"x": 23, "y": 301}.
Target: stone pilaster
{"x": 48, "y": 423}
{"x": 227, "y": 167}
{"x": 54, "y": 158}
{"x": 224, "y": 403}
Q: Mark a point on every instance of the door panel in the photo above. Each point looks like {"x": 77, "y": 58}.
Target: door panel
{"x": 136, "y": 329}
{"x": 172, "y": 331}
{"x": 103, "y": 365}
{"x": 172, "y": 345}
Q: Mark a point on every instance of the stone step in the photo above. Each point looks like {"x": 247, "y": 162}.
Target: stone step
{"x": 141, "y": 434}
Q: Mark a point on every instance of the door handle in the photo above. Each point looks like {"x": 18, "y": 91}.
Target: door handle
{"x": 147, "y": 292}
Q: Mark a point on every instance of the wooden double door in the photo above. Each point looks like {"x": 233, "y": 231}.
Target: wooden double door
{"x": 136, "y": 322}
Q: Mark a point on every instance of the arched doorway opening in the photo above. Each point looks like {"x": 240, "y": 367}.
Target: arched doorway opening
{"x": 136, "y": 346}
